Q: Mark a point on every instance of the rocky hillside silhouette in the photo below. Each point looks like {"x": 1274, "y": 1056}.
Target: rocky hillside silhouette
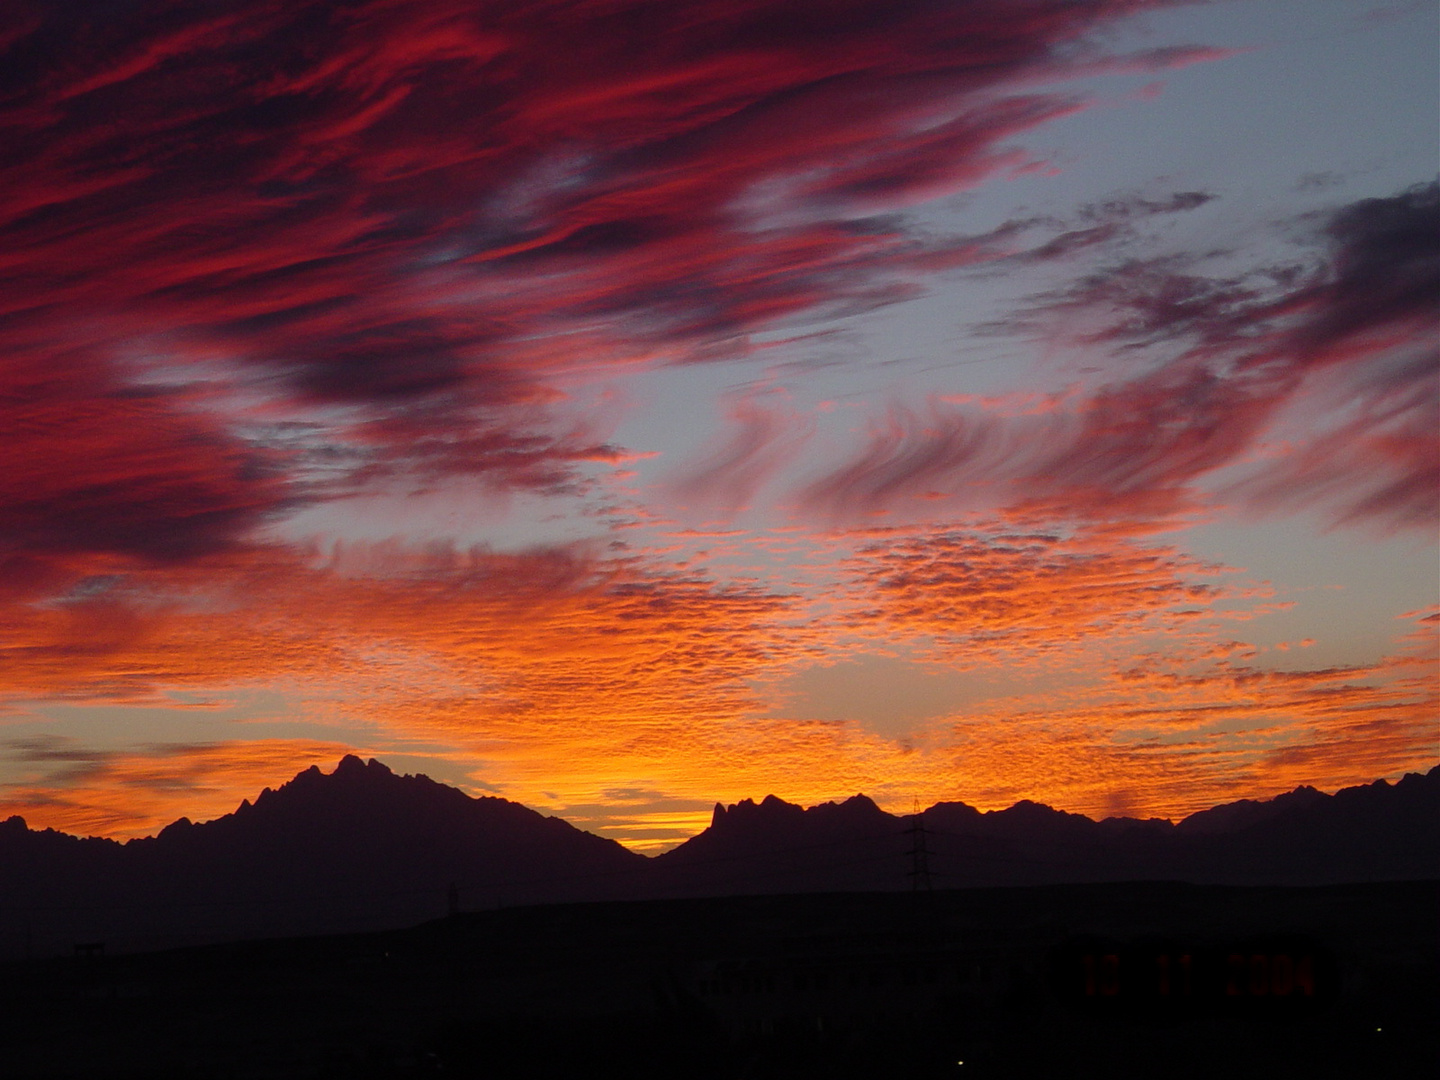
{"x": 778, "y": 847}
{"x": 357, "y": 849}
{"x": 363, "y": 848}
{"x": 1377, "y": 832}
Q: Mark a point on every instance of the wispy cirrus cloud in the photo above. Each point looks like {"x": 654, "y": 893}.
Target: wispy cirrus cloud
{"x": 1129, "y": 455}
{"x": 1327, "y": 373}
{"x": 764, "y": 435}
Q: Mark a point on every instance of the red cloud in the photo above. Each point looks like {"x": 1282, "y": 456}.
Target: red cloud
{"x": 398, "y": 221}
{"x": 89, "y": 464}
{"x": 1379, "y": 466}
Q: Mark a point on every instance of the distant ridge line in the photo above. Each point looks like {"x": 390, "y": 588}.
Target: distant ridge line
{"x": 363, "y": 848}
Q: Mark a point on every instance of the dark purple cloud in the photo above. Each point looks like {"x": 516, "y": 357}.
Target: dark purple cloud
{"x": 1384, "y": 276}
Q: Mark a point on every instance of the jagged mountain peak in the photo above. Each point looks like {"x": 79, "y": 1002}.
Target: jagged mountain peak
{"x": 954, "y": 808}
{"x": 1028, "y": 808}
{"x": 176, "y": 827}
{"x": 857, "y": 808}
{"x": 747, "y": 813}
{"x": 1248, "y": 813}
{"x": 772, "y": 810}
{"x": 351, "y": 764}
{"x": 362, "y": 782}
{"x": 350, "y": 770}
{"x": 363, "y": 812}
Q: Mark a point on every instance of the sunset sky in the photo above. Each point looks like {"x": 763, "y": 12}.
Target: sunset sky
{"x": 622, "y": 406}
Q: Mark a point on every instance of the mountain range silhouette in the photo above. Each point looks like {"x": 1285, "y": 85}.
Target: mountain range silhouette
{"x": 363, "y": 848}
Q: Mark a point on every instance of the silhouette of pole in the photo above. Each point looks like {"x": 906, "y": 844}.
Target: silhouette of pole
{"x": 919, "y": 872}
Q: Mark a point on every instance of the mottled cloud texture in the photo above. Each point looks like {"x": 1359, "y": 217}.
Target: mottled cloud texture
{"x": 267, "y": 258}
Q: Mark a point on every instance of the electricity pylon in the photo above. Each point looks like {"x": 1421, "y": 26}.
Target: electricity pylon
{"x": 919, "y": 853}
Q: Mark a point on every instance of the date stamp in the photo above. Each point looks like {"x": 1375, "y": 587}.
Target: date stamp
{"x": 1271, "y": 977}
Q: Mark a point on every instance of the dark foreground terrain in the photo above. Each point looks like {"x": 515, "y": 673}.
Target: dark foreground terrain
{"x": 1107, "y": 980}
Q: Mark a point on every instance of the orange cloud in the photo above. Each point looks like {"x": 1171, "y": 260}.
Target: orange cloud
{"x": 1179, "y": 731}
{"x": 565, "y": 678}
{"x": 984, "y": 595}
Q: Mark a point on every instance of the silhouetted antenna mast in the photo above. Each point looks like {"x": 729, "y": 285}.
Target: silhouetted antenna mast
{"x": 919, "y": 852}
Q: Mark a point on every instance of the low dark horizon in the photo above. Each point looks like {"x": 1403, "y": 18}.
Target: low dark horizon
{"x": 361, "y": 923}
{"x": 363, "y": 848}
